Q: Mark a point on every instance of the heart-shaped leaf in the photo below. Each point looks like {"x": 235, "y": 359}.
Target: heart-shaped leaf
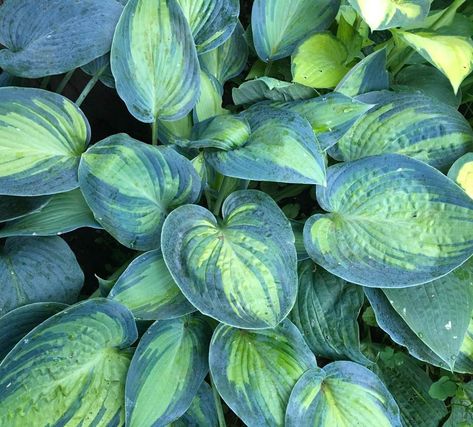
{"x": 131, "y": 186}
{"x": 462, "y": 173}
{"x": 242, "y": 270}
{"x": 167, "y": 370}
{"x": 42, "y": 136}
{"x": 70, "y": 369}
{"x": 14, "y": 207}
{"x": 255, "y": 371}
{"x": 417, "y": 207}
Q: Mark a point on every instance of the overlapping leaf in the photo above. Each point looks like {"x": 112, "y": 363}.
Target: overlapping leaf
{"x": 462, "y": 173}
{"x": 14, "y": 207}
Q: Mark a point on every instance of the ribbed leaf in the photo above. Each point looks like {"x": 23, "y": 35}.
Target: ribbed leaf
{"x": 45, "y": 37}
{"x": 130, "y": 187}
{"x": 167, "y": 370}
{"x": 242, "y": 270}
{"x": 38, "y": 270}
{"x": 65, "y": 212}
{"x": 462, "y": 173}
{"x": 341, "y": 394}
{"x": 326, "y": 312}
{"x": 255, "y": 371}
{"x": 71, "y": 369}
{"x": 154, "y": 60}
{"x": 393, "y": 223}
{"x": 168, "y": 131}
{"x": 42, "y": 136}
{"x": 278, "y": 26}
{"x": 407, "y": 123}
{"x": 149, "y": 291}
{"x": 14, "y": 207}
{"x": 209, "y": 103}
{"x": 298, "y": 230}
{"x": 462, "y": 415}
{"x": 101, "y": 65}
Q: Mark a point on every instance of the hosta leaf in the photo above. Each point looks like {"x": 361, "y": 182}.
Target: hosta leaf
{"x": 341, "y": 394}
{"x": 101, "y": 65}
{"x": 281, "y": 147}
{"x": 298, "y": 230}
{"x": 154, "y": 60}
{"x": 227, "y": 60}
{"x": 242, "y": 270}
{"x": 14, "y": 207}
{"x": 45, "y": 37}
{"x": 209, "y": 103}
{"x": 320, "y": 61}
{"x": 38, "y": 270}
{"x": 326, "y": 312}
{"x": 278, "y": 26}
{"x": 462, "y": 173}
{"x": 148, "y": 290}
{"x": 462, "y": 404}
{"x": 17, "y": 323}
{"x": 411, "y": 124}
{"x": 130, "y": 187}
{"x": 211, "y": 21}
{"x": 452, "y": 55}
{"x": 71, "y": 369}
{"x": 417, "y": 207}
{"x": 369, "y": 75}
{"x": 169, "y": 131}
{"x": 65, "y": 212}
{"x": 384, "y": 14}
{"x": 42, "y": 136}
{"x": 255, "y": 371}
{"x": 169, "y": 366}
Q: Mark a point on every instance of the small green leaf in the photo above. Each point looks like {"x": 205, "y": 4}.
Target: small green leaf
{"x": 462, "y": 407}
{"x": 443, "y": 389}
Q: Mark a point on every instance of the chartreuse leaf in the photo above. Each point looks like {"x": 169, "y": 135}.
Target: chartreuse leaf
{"x": 38, "y": 270}
{"x": 17, "y": 323}
{"x": 45, "y": 37}
{"x": 341, "y": 394}
{"x": 209, "y": 103}
{"x": 14, "y": 207}
{"x": 70, "y": 370}
{"x": 42, "y": 136}
{"x": 452, "y": 55}
{"x": 242, "y": 270}
{"x": 167, "y": 370}
{"x": 407, "y": 123}
{"x": 326, "y": 312}
{"x": 255, "y": 371}
{"x": 65, "y": 212}
{"x": 281, "y": 147}
{"x": 369, "y": 75}
{"x": 462, "y": 407}
{"x": 211, "y": 21}
{"x": 227, "y": 60}
{"x": 462, "y": 173}
{"x": 154, "y": 60}
{"x": 131, "y": 186}
{"x": 384, "y": 14}
{"x": 148, "y": 290}
{"x": 320, "y": 61}
{"x": 278, "y": 26}
{"x": 419, "y": 208}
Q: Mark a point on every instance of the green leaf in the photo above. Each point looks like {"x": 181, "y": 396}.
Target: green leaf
{"x": 154, "y": 60}
{"x": 148, "y": 290}
{"x": 71, "y": 369}
{"x": 14, "y": 207}
{"x": 462, "y": 407}
{"x": 298, "y": 230}
{"x": 443, "y": 388}
{"x": 17, "y": 323}
{"x": 101, "y": 65}
{"x": 342, "y": 393}
{"x": 242, "y": 270}
{"x": 320, "y": 61}
{"x": 281, "y": 147}
{"x": 42, "y": 136}
{"x": 278, "y": 26}
{"x": 393, "y": 223}
{"x": 407, "y": 123}
{"x": 46, "y": 37}
{"x": 167, "y": 370}
{"x": 169, "y": 131}
{"x": 38, "y": 270}
{"x": 65, "y": 212}
{"x": 326, "y": 312}
{"x": 384, "y": 14}
{"x": 255, "y": 371}
{"x": 209, "y": 103}
{"x": 131, "y": 186}
{"x": 211, "y": 21}
{"x": 462, "y": 173}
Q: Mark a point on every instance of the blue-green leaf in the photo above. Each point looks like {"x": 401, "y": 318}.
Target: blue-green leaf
{"x": 255, "y": 371}
{"x": 462, "y": 173}
{"x": 101, "y": 65}
{"x": 14, "y": 207}
{"x": 209, "y": 103}
{"x": 167, "y": 370}
{"x": 415, "y": 206}
{"x": 242, "y": 270}
{"x": 131, "y": 186}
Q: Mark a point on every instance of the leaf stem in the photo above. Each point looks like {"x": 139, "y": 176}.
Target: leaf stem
{"x": 65, "y": 81}
{"x": 92, "y": 82}
{"x": 218, "y": 404}
{"x": 154, "y": 132}
{"x": 220, "y": 197}
{"x": 268, "y": 67}
{"x": 44, "y": 82}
